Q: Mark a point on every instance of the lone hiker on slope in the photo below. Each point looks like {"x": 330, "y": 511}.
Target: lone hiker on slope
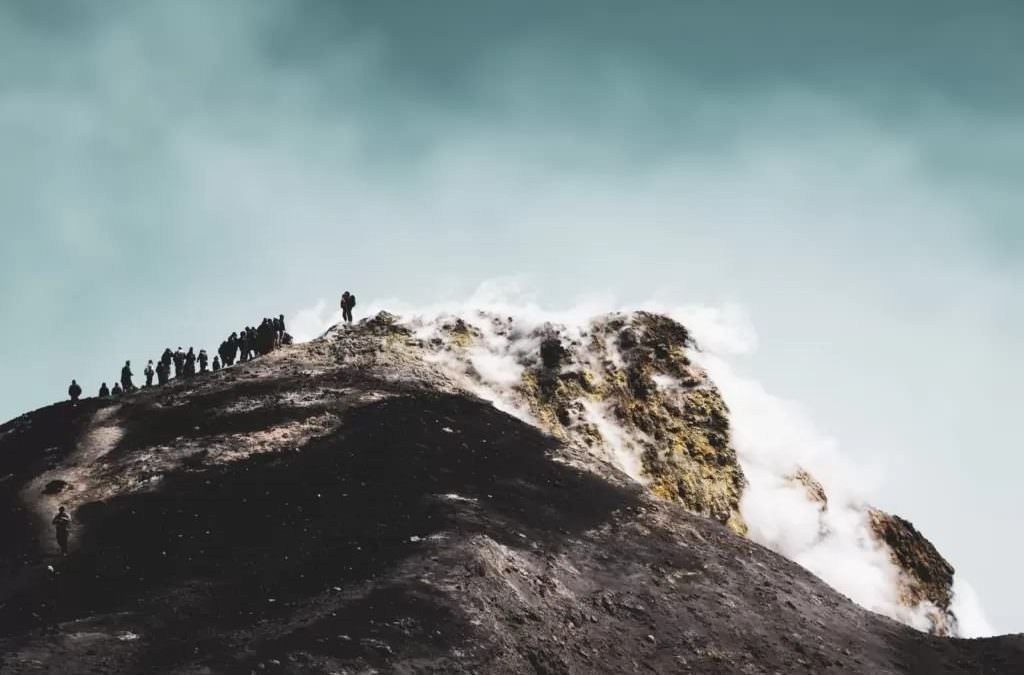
{"x": 348, "y": 301}
{"x": 62, "y": 525}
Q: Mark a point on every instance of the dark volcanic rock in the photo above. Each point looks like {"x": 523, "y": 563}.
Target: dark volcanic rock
{"x": 342, "y": 507}
{"x": 56, "y": 486}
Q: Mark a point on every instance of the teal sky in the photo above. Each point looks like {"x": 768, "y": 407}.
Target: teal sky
{"x": 850, "y": 175}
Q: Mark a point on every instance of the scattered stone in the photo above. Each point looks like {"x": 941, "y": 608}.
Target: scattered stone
{"x": 55, "y": 487}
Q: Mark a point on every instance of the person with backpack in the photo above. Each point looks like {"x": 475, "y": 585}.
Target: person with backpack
{"x": 74, "y": 391}
{"x": 126, "y": 378}
{"x": 348, "y": 302}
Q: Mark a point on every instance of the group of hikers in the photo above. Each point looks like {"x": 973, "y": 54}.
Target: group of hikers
{"x": 242, "y": 346}
{"x": 252, "y": 342}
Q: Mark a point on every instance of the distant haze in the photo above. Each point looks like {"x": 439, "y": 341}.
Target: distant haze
{"x": 848, "y": 177}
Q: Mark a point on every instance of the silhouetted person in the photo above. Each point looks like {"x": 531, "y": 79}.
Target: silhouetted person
{"x": 179, "y": 362}
{"x": 250, "y": 341}
{"x": 163, "y": 372}
{"x": 126, "y": 377}
{"x": 116, "y": 391}
{"x": 104, "y": 391}
{"x": 62, "y": 526}
{"x": 74, "y": 391}
{"x": 216, "y": 364}
{"x": 190, "y": 363}
{"x": 266, "y": 337}
{"x": 149, "y": 372}
{"x": 230, "y": 350}
{"x": 204, "y": 360}
{"x": 167, "y": 358}
{"x": 243, "y": 347}
{"x": 348, "y": 303}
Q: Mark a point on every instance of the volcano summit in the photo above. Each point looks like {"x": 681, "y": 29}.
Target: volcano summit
{"x": 458, "y": 494}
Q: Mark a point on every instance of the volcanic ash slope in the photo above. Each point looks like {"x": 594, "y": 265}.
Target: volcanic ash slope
{"x": 352, "y": 505}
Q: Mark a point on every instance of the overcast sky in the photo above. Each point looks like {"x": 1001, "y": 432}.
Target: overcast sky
{"x": 850, "y": 175}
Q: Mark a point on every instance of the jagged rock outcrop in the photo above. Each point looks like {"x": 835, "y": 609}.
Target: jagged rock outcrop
{"x": 348, "y": 505}
{"x": 927, "y": 577}
{"x": 812, "y": 488}
{"x": 623, "y": 387}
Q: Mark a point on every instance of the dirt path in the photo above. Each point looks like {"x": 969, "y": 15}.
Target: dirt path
{"x": 78, "y": 472}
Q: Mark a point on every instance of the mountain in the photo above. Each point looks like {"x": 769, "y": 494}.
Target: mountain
{"x": 452, "y": 495}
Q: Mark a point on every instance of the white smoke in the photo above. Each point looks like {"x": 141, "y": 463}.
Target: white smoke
{"x": 774, "y": 438}
{"x": 970, "y": 617}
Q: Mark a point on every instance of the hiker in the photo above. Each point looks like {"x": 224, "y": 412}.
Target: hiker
{"x": 203, "y": 360}
{"x": 179, "y": 362}
{"x": 216, "y": 364}
{"x": 62, "y": 525}
{"x": 126, "y": 377}
{"x": 148, "y": 372}
{"x": 166, "y": 358}
{"x": 116, "y": 391}
{"x": 266, "y": 336}
{"x": 348, "y": 302}
{"x": 104, "y": 391}
{"x": 162, "y": 372}
{"x": 243, "y": 347}
{"x": 74, "y": 391}
{"x": 227, "y": 357}
{"x": 190, "y": 363}
{"x": 279, "y": 325}
{"x": 232, "y": 350}
{"x": 250, "y": 340}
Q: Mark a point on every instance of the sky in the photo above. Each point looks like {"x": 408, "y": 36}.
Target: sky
{"x": 846, "y": 175}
